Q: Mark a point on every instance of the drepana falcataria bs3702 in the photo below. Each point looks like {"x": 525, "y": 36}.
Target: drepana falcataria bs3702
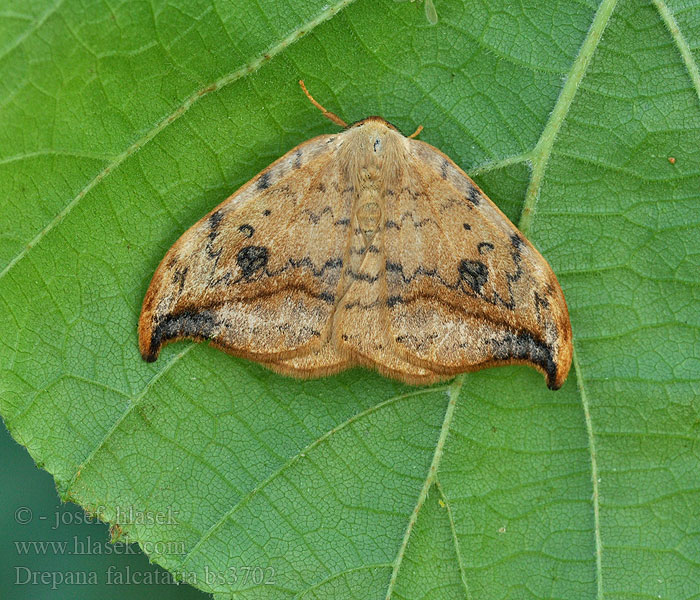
{"x": 363, "y": 247}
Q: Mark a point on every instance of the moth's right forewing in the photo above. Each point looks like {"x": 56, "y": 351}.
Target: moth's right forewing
{"x": 466, "y": 289}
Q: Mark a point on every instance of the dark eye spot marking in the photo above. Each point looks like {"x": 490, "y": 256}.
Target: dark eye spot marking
{"x": 251, "y": 259}
{"x": 443, "y": 168}
{"x": 393, "y": 301}
{"x": 377, "y": 143}
{"x": 467, "y": 226}
{"x": 474, "y": 273}
{"x": 264, "y": 181}
{"x": 246, "y": 230}
{"x": 215, "y": 219}
{"x": 474, "y": 196}
{"x": 485, "y": 247}
{"x": 266, "y": 212}
{"x": 181, "y": 274}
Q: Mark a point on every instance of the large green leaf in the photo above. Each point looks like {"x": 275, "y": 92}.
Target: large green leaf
{"x": 121, "y": 123}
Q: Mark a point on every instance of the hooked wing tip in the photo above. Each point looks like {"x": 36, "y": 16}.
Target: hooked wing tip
{"x": 149, "y": 357}
{"x": 562, "y": 363}
{"x": 554, "y": 384}
{"x": 149, "y": 353}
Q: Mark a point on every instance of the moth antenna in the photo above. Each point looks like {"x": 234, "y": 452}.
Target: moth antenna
{"x": 326, "y": 113}
{"x": 416, "y": 132}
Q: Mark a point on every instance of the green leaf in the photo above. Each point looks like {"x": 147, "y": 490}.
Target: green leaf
{"x": 123, "y": 122}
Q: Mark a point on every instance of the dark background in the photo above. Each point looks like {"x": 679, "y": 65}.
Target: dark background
{"x": 27, "y": 493}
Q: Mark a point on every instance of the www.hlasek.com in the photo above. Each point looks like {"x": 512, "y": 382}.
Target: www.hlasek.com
{"x": 88, "y": 545}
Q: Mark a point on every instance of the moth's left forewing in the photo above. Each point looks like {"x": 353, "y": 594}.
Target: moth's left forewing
{"x": 466, "y": 289}
{"x": 259, "y": 275}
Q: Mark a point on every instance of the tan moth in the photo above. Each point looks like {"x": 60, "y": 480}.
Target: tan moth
{"x": 363, "y": 247}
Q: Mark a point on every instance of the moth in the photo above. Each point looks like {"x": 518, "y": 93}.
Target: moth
{"x": 363, "y": 247}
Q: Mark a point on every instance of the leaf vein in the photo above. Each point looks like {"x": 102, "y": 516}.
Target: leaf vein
{"x": 293, "y": 460}
{"x": 543, "y": 149}
{"x": 222, "y": 82}
{"x": 453, "y": 392}
{"x": 455, "y": 540}
{"x": 32, "y": 28}
{"x": 681, "y": 43}
{"x": 132, "y": 405}
{"x": 594, "y": 476}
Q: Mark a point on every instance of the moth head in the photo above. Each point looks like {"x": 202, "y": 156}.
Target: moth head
{"x": 374, "y": 139}
{"x": 378, "y": 122}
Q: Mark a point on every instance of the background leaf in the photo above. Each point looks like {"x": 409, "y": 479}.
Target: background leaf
{"x": 123, "y": 122}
